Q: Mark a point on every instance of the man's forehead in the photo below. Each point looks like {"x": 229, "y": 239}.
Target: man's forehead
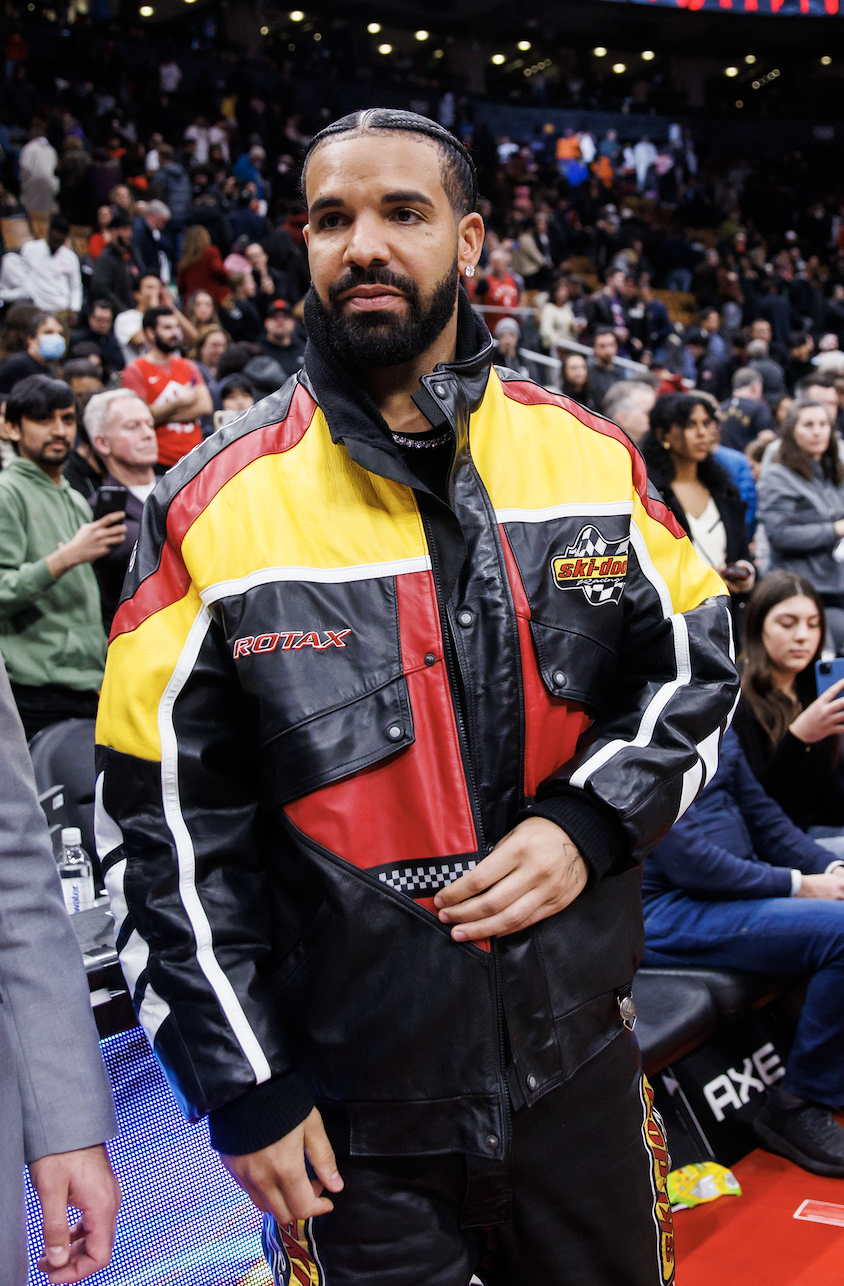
{"x": 374, "y": 163}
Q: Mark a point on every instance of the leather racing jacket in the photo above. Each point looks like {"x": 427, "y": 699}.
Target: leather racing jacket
{"x": 328, "y": 694}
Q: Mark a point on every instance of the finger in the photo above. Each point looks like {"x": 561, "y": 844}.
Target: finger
{"x": 295, "y": 1193}
{"x": 526, "y": 911}
{"x": 491, "y": 901}
{"x": 320, "y": 1153}
{"x": 54, "y": 1224}
{"x": 110, "y": 519}
{"x": 488, "y": 871}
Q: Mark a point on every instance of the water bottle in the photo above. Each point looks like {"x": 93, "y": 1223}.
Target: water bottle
{"x": 76, "y": 872}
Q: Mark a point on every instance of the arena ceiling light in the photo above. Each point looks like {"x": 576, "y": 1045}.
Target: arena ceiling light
{"x": 524, "y": 45}
{"x": 374, "y": 28}
{"x": 731, "y": 71}
{"x": 146, "y": 11}
{"x": 600, "y": 52}
{"x": 826, "y": 60}
{"x": 750, "y": 59}
{"x": 421, "y": 35}
{"x": 296, "y": 15}
{"x": 498, "y": 59}
{"x": 385, "y": 49}
{"x": 618, "y": 68}
{"x": 265, "y": 31}
{"x": 439, "y": 53}
{"x": 648, "y": 55}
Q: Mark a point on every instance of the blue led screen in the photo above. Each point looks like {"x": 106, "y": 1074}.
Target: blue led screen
{"x": 183, "y": 1221}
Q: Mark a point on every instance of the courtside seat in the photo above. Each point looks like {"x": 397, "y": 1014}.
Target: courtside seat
{"x": 673, "y": 1016}
{"x": 734, "y": 992}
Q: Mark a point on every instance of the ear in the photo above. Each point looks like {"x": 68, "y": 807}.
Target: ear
{"x": 470, "y": 240}
{"x": 306, "y": 234}
{"x": 14, "y": 431}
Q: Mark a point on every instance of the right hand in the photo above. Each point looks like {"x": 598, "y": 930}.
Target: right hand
{"x": 823, "y": 718}
{"x": 830, "y": 887}
{"x": 276, "y": 1181}
{"x": 93, "y": 539}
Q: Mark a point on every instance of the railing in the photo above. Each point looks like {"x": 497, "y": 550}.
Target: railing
{"x": 570, "y": 345}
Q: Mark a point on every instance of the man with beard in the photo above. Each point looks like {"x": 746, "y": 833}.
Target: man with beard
{"x": 171, "y": 386}
{"x": 376, "y": 891}
{"x": 51, "y": 629}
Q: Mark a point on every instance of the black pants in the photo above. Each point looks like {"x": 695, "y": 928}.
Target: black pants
{"x": 40, "y": 707}
{"x": 580, "y": 1201}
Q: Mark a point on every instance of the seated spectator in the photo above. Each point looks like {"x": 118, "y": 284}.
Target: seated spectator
{"x": 507, "y": 334}
{"x": 773, "y": 375}
{"x": 98, "y": 328}
{"x": 207, "y": 351}
{"x": 98, "y": 240}
{"x": 801, "y": 506}
{"x": 236, "y": 393}
{"x": 603, "y": 372}
{"x": 629, "y": 404}
{"x": 820, "y": 388}
{"x": 575, "y": 380}
{"x": 707, "y": 371}
{"x": 55, "y": 279}
{"x": 201, "y": 310}
{"x": 201, "y": 269}
{"x": 87, "y": 351}
{"x": 171, "y": 386}
{"x": 557, "y": 322}
{"x": 789, "y": 735}
{"x": 152, "y": 245}
{"x": 281, "y": 339}
{"x": 270, "y": 284}
{"x": 605, "y": 309}
{"x": 83, "y": 468}
{"x": 698, "y": 491}
{"x": 801, "y": 345}
{"x": 51, "y": 632}
{"x": 45, "y": 346}
{"x": 117, "y": 270}
{"x": 710, "y": 324}
{"x": 121, "y": 430}
{"x": 238, "y": 315}
{"x": 746, "y": 414}
{"x": 84, "y": 378}
{"x": 500, "y": 290}
{"x": 735, "y": 885}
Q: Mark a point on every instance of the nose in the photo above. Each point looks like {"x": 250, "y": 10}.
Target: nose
{"x": 366, "y": 244}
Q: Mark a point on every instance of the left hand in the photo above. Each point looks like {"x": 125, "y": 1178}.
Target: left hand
{"x": 532, "y": 873}
{"x": 742, "y": 580}
{"x": 84, "y": 1179}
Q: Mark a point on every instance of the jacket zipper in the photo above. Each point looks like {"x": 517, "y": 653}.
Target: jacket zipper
{"x": 462, "y": 736}
{"x": 454, "y": 688}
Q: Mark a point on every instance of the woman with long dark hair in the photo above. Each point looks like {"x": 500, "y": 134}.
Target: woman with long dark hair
{"x": 789, "y": 735}
{"x": 575, "y": 382}
{"x": 801, "y": 506}
{"x": 698, "y": 491}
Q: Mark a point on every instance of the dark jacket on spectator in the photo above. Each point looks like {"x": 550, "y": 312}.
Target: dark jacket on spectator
{"x": 743, "y": 420}
{"x": 110, "y": 570}
{"x": 730, "y": 506}
{"x": 172, "y": 185}
{"x": 115, "y": 278}
{"x": 711, "y": 852}
{"x": 19, "y": 366}
{"x": 804, "y": 779}
{"x": 147, "y": 249}
{"x": 110, "y": 350}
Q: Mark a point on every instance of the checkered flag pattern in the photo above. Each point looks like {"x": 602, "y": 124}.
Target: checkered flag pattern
{"x": 423, "y": 879}
{"x": 591, "y": 544}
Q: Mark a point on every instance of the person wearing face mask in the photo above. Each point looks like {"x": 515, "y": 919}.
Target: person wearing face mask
{"x": 45, "y": 347}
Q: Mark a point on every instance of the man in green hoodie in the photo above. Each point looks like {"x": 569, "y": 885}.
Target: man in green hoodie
{"x": 51, "y": 632}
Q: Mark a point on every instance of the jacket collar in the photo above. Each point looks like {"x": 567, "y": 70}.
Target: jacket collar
{"x": 352, "y": 416}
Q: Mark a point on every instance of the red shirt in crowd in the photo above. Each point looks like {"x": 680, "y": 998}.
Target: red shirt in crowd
{"x": 149, "y": 382}
{"x": 498, "y": 290}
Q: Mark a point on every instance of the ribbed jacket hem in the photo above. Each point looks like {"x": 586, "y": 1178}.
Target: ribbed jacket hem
{"x": 261, "y": 1116}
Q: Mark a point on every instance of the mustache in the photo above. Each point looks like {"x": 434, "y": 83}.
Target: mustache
{"x": 372, "y": 277}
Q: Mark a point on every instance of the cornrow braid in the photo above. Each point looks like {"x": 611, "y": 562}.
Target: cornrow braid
{"x": 458, "y": 169}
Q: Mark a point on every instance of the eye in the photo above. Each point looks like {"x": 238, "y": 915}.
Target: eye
{"x": 331, "y": 221}
{"x": 407, "y": 216}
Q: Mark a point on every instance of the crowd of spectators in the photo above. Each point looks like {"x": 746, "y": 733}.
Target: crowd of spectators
{"x": 156, "y": 291}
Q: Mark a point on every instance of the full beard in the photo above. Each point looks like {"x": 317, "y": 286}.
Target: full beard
{"x": 382, "y": 339}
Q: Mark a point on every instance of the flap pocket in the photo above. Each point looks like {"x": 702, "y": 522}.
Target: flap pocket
{"x": 336, "y": 743}
{"x": 574, "y": 667}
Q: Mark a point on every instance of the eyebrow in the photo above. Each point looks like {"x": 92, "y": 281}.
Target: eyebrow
{"x": 389, "y": 198}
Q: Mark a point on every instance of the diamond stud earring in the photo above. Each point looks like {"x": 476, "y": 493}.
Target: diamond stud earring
{"x": 469, "y": 270}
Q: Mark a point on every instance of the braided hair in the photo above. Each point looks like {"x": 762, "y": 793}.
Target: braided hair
{"x": 457, "y": 167}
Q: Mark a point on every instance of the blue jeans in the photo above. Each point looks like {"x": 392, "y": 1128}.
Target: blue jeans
{"x": 787, "y": 937}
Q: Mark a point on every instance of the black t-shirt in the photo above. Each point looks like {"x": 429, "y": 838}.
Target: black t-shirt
{"x": 428, "y": 456}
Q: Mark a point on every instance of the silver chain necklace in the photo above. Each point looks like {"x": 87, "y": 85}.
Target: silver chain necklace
{"x": 417, "y": 445}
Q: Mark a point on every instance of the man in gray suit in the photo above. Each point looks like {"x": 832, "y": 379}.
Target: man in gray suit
{"x": 55, "y": 1103}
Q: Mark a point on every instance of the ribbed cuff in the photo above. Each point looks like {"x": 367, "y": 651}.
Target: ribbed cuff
{"x": 595, "y": 829}
{"x": 261, "y": 1116}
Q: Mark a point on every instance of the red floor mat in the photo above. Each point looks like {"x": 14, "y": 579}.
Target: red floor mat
{"x": 754, "y": 1239}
